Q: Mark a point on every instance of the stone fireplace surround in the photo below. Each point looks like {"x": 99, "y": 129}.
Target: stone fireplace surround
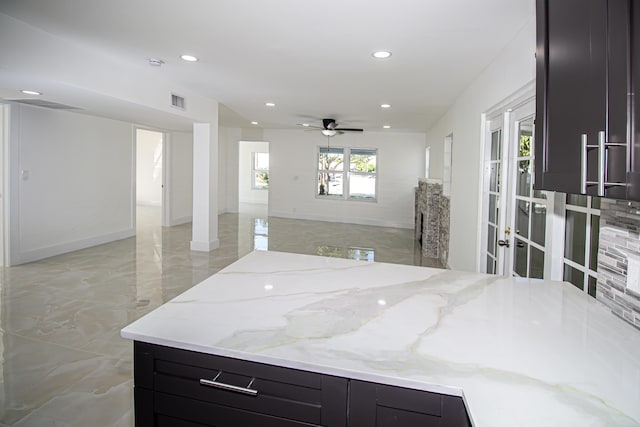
{"x": 432, "y": 220}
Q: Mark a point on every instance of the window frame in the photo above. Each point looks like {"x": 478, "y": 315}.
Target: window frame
{"x": 254, "y": 170}
{"x": 347, "y": 174}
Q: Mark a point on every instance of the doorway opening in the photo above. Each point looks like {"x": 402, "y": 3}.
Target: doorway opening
{"x": 150, "y": 178}
{"x": 253, "y": 178}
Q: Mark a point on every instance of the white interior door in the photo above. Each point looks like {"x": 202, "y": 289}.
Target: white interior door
{"x": 527, "y": 208}
{"x": 494, "y": 240}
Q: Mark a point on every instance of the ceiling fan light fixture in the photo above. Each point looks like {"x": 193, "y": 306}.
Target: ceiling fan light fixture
{"x": 30, "y": 92}
{"x": 381, "y": 54}
{"x": 329, "y": 132}
{"x": 305, "y": 125}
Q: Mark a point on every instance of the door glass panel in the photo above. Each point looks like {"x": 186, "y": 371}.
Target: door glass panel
{"x": 491, "y": 265}
{"x": 539, "y": 194}
{"x": 520, "y": 255}
{"x": 575, "y": 235}
{"x": 595, "y": 235}
{"x": 493, "y": 208}
{"x": 524, "y": 178}
{"x": 536, "y": 263}
{"x": 491, "y": 240}
{"x": 595, "y": 202}
{"x": 496, "y": 146}
{"x": 538, "y": 223}
{"x": 522, "y": 218}
{"x": 574, "y": 276}
{"x": 494, "y": 177}
{"x": 592, "y": 286}
{"x": 577, "y": 200}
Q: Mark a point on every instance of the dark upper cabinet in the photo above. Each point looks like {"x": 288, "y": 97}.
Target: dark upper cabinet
{"x": 583, "y": 97}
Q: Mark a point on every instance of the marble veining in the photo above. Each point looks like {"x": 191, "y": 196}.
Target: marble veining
{"x": 520, "y": 352}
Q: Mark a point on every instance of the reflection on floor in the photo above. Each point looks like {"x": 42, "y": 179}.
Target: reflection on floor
{"x": 62, "y": 361}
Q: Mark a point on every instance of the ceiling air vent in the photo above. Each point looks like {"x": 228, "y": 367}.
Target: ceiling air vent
{"x": 46, "y": 104}
{"x": 177, "y": 101}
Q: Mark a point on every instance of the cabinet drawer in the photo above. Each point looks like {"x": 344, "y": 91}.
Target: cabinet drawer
{"x": 176, "y": 378}
{"x": 175, "y": 410}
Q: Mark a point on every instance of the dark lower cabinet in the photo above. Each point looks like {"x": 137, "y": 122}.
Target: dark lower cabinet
{"x": 175, "y": 387}
{"x": 379, "y": 405}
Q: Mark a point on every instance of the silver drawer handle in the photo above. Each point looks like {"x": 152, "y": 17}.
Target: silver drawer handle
{"x": 217, "y": 384}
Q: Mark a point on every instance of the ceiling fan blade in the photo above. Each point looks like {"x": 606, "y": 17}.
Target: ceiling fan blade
{"x": 349, "y": 130}
{"x": 310, "y": 126}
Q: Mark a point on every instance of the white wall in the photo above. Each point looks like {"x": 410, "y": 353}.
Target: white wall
{"x": 246, "y": 192}
{"x": 71, "y": 182}
{"x": 180, "y": 177}
{"x": 149, "y": 167}
{"x": 292, "y": 177}
{"x": 228, "y": 169}
{"x": 512, "y": 70}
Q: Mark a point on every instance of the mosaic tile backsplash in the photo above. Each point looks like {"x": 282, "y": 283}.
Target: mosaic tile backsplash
{"x": 619, "y": 258}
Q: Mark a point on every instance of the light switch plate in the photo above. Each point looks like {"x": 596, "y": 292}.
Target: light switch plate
{"x": 633, "y": 273}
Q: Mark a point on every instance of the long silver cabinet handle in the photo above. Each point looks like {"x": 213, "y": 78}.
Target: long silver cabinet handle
{"x": 584, "y": 147}
{"x": 583, "y": 163}
{"x": 237, "y": 389}
{"x": 601, "y": 162}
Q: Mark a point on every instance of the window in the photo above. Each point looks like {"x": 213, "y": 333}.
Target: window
{"x": 359, "y": 181}
{"x": 260, "y": 171}
{"x": 581, "y": 233}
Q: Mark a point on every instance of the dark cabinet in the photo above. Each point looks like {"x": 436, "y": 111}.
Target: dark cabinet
{"x": 379, "y": 405}
{"x": 175, "y": 387}
{"x": 584, "y": 97}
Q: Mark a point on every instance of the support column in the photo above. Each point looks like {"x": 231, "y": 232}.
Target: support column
{"x": 205, "y": 186}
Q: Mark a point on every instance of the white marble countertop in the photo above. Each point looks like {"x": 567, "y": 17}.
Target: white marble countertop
{"x": 521, "y": 353}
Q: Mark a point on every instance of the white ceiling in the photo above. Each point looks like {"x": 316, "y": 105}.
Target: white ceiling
{"x": 312, "y": 58}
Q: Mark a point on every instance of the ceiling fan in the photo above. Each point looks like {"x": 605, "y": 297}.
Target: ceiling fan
{"x": 330, "y": 128}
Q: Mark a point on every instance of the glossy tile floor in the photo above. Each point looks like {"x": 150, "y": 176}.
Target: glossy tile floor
{"x": 62, "y": 361}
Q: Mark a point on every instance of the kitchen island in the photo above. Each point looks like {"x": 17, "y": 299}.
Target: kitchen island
{"x": 518, "y": 352}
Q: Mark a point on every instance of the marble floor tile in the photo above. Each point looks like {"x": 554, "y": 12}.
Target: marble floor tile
{"x": 62, "y": 360}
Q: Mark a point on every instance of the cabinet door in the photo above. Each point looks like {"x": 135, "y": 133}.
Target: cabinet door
{"x": 377, "y": 405}
{"x": 571, "y": 90}
{"x": 634, "y": 174}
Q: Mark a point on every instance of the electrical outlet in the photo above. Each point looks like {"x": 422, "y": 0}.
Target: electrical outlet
{"x": 633, "y": 273}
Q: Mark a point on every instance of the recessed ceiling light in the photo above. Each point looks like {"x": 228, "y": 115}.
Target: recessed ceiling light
{"x": 254, "y": 123}
{"x": 305, "y": 125}
{"x": 385, "y": 105}
{"x": 189, "y": 58}
{"x": 381, "y": 54}
{"x": 30, "y": 92}
{"x": 386, "y": 127}
{"x": 270, "y": 104}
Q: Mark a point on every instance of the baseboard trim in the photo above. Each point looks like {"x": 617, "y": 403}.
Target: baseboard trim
{"x": 360, "y": 221}
{"x": 205, "y": 246}
{"x": 181, "y": 220}
{"x": 63, "y": 248}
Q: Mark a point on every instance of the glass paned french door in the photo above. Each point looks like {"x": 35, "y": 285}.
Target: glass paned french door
{"x": 493, "y": 168}
{"x": 515, "y": 218}
{"x": 528, "y": 207}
